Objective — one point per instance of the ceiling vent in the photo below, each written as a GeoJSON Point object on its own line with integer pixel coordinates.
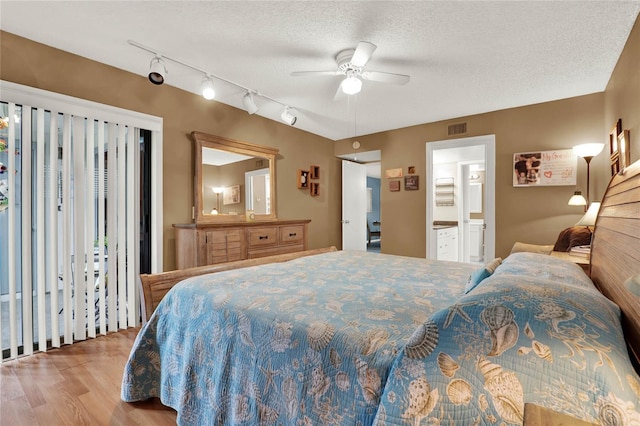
{"type": "Point", "coordinates": [457, 129]}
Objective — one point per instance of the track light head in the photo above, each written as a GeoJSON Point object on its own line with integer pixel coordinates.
{"type": "Point", "coordinates": [206, 87]}
{"type": "Point", "coordinates": [157, 71]}
{"type": "Point", "coordinates": [287, 117]}
{"type": "Point", "coordinates": [249, 103]}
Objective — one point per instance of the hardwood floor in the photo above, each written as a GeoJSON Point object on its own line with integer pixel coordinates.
{"type": "Point", "coordinates": [76, 385]}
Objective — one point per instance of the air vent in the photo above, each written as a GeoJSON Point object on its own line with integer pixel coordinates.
{"type": "Point", "coordinates": [457, 129]}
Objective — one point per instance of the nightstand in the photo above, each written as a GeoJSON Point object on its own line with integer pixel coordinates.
{"type": "Point", "coordinates": [535, 415]}
{"type": "Point", "coordinates": [578, 260]}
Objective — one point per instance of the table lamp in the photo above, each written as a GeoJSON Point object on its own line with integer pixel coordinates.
{"type": "Point", "coordinates": [589, 218]}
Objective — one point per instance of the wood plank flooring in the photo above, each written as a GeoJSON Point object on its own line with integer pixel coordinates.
{"type": "Point", "coordinates": [77, 384]}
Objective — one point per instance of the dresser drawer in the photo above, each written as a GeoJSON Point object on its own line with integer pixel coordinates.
{"type": "Point", "coordinates": [291, 234]}
{"type": "Point", "coordinates": [260, 237]}
{"type": "Point", "coordinates": [272, 251]}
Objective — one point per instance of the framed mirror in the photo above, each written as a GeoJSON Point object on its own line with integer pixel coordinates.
{"type": "Point", "coordinates": [233, 179]}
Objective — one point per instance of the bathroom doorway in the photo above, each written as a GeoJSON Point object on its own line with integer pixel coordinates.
{"type": "Point", "coordinates": [461, 199]}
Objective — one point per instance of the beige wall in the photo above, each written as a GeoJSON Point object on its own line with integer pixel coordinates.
{"type": "Point", "coordinates": [36, 65]}
{"type": "Point", "coordinates": [622, 96]}
{"type": "Point", "coordinates": [534, 215]}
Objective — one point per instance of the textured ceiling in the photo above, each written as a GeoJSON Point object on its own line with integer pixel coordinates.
{"type": "Point", "coordinates": [463, 57]}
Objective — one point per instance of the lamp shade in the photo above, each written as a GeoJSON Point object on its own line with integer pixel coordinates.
{"type": "Point", "coordinates": [577, 199]}
{"type": "Point", "coordinates": [352, 84]}
{"type": "Point", "coordinates": [588, 149]}
{"type": "Point", "coordinates": [589, 218]}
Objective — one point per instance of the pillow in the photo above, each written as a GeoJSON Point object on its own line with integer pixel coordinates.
{"type": "Point", "coordinates": [480, 274]}
{"type": "Point", "coordinates": [531, 248]}
{"type": "Point", "coordinates": [571, 237]}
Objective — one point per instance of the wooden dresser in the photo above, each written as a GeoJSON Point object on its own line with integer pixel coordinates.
{"type": "Point", "coordinates": [210, 243]}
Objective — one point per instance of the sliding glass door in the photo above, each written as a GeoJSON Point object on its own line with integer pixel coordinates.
{"type": "Point", "coordinates": [72, 225]}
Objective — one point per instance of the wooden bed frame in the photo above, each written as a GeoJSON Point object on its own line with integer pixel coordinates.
{"type": "Point", "coordinates": [155, 286]}
{"type": "Point", "coordinates": [615, 251]}
{"type": "Point", "coordinates": [615, 257]}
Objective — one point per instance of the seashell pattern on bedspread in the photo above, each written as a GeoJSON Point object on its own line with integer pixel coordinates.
{"type": "Point", "coordinates": [536, 331]}
{"type": "Point", "coordinates": [305, 342]}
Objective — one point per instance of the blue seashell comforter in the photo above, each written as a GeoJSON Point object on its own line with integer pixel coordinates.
{"type": "Point", "coordinates": [350, 338]}
{"type": "Point", "coordinates": [536, 331]}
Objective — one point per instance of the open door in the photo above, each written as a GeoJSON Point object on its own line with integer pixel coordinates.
{"type": "Point", "coordinates": [354, 206]}
{"type": "Point", "coordinates": [453, 160]}
{"type": "Point", "coordinates": [464, 216]}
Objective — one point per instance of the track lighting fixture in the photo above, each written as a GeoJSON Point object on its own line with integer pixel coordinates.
{"type": "Point", "coordinates": [157, 71]}
{"type": "Point", "coordinates": [287, 117]}
{"type": "Point", "coordinates": [352, 84]}
{"type": "Point", "coordinates": [207, 88]}
{"type": "Point", "coordinates": [249, 103]}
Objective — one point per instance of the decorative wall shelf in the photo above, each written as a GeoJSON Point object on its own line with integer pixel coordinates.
{"type": "Point", "coordinates": [445, 191]}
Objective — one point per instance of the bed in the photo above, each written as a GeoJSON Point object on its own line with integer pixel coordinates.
{"type": "Point", "coordinates": [339, 337]}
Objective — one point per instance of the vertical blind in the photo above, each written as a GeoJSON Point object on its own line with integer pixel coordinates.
{"type": "Point", "coordinates": [71, 225]}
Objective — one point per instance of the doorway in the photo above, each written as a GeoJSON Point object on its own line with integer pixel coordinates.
{"type": "Point", "coordinates": [461, 199]}
{"type": "Point", "coordinates": [366, 170]}
{"type": "Point", "coordinates": [374, 222]}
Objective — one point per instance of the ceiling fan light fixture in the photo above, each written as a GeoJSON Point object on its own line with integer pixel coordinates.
{"type": "Point", "coordinates": [352, 84]}
{"type": "Point", "coordinates": [157, 71]}
{"type": "Point", "coordinates": [206, 87]}
{"type": "Point", "coordinates": [249, 103]}
{"type": "Point", "coordinates": [287, 117]}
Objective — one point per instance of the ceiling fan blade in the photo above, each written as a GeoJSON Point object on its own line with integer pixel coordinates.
{"type": "Point", "coordinates": [363, 53]}
{"type": "Point", "coordinates": [386, 77]}
{"type": "Point", "coordinates": [339, 93]}
{"type": "Point", "coordinates": [315, 73]}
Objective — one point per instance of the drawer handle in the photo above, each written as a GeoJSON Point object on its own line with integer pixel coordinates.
{"type": "Point", "coordinates": [266, 237]}
{"type": "Point", "coordinates": [293, 235]}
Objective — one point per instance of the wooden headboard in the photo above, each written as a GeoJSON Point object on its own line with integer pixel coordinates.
{"type": "Point", "coordinates": [615, 251]}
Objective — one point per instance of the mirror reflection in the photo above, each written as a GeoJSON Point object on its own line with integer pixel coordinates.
{"type": "Point", "coordinates": [234, 183]}
{"type": "Point", "coordinates": [234, 180]}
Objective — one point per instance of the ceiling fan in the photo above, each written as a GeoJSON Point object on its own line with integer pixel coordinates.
{"type": "Point", "coordinates": [351, 63]}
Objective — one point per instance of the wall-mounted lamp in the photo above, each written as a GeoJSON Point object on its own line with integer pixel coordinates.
{"type": "Point", "coordinates": [157, 71]}
{"type": "Point", "coordinates": [588, 151]}
{"type": "Point", "coordinates": [287, 117]}
{"type": "Point", "coordinates": [578, 200]}
{"type": "Point", "coordinates": [249, 103]}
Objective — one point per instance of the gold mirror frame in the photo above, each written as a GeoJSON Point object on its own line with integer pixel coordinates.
{"type": "Point", "coordinates": [204, 140]}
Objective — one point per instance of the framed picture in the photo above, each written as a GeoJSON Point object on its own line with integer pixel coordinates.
{"type": "Point", "coordinates": [623, 144]}
{"type": "Point", "coordinates": [303, 179]}
{"type": "Point", "coordinates": [544, 168]}
{"type": "Point", "coordinates": [394, 185]}
{"type": "Point", "coordinates": [393, 173]}
{"type": "Point", "coordinates": [231, 195]}
{"type": "Point", "coordinates": [314, 172]}
{"type": "Point", "coordinates": [411, 170]}
{"type": "Point", "coordinates": [410, 183]}
{"type": "Point", "coordinates": [614, 148]}
{"type": "Point", "coordinates": [314, 189]}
